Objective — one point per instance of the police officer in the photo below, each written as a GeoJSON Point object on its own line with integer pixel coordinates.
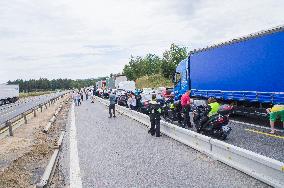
{"type": "Point", "coordinates": [155, 116]}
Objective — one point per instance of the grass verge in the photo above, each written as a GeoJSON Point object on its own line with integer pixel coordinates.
{"type": "Point", "coordinates": [153, 81]}
{"type": "Point", "coordinates": [33, 94]}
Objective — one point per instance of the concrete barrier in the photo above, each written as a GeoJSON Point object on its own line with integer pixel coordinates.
{"type": "Point", "coordinates": [190, 138]}
{"type": "Point", "coordinates": [258, 166]}
{"type": "Point", "coordinates": [49, 170]}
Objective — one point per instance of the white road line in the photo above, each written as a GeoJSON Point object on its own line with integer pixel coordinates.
{"type": "Point", "coordinates": [75, 175]}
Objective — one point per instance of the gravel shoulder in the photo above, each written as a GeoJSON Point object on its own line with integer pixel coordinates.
{"type": "Point", "coordinates": [119, 153]}
{"type": "Point", "coordinates": [24, 156]}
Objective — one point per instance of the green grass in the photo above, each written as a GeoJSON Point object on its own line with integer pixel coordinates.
{"type": "Point", "coordinates": [153, 81]}
{"type": "Point", "coordinates": [35, 93]}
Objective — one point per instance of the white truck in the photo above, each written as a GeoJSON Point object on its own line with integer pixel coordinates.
{"type": "Point", "coordinates": [127, 86]}
{"type": "Point", "coordinates": [8, 93]}
{"type": "Point", "coordinates": [119, 79]}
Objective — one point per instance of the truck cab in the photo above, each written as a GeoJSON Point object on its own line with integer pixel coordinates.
{"type": "Point", "coordinates": [181, 79]}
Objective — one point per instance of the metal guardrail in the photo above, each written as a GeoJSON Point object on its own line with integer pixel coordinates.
{"type": "Point", "coordinates": [265, 169]}
{"type": "Point", "coordinates": [23, 114]}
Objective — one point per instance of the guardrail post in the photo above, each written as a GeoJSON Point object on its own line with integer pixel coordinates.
{"type": "Point", "coordinates": [25, 118]}
{"type": "Point", "coordinates": [9, 124]}
{"type": "Point", "coordinates": [34, 113]}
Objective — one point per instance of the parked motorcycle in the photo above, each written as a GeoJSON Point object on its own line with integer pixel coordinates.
{"type": "Point", "coordinates": [172, 111]}
{"type": "Point", "coordinates": [216, 125]}
{"type": "Point", "coordinates": [122, 100]}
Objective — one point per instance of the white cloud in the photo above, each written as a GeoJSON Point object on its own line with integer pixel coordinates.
{"type": "Point", "coordinates": [91, 38]}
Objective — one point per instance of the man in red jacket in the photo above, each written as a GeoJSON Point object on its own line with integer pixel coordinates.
{"type": "Point", "coordinates": [185, 104]}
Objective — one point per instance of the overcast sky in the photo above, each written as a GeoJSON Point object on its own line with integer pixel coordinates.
{"type": "Point", "coordinates": [91, 38]}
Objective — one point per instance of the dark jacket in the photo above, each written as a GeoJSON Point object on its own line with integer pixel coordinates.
{"type": "Point", "coordinates": [155, 110]}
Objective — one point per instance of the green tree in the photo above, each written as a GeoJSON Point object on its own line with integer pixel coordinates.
{"type": "Point", "coordinates": [171, 59]}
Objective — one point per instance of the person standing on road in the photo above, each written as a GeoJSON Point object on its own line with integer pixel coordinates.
{"type": "Point", "coordinates": [129, 101]}
{"type": "Point", "coordinates": [155, 117]}
{"type": "Point", "coordinates": [133, 102]}
{"type": "Point", "coordinates": [78, 99]}
{"type": "Point", "coordinates": [82, 96]}
{"type": "Point", "coordinates": [277, 111]}
{"type": "Point", "coordinates": [185, 104]}
{"type": "Point", "coordinates": [87, 94]}
{"type": "Point", "coordinates": [111, 105]}
{"type": "Point", "coordinates": [73, 96]}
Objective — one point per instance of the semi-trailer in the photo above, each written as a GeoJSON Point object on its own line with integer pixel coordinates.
{"type": "Point", "coordinates": [8, 93]}
{"type": "Point", "coordinates": [247, 72]}
{"type": "Point", "coordinates": [110, 83]}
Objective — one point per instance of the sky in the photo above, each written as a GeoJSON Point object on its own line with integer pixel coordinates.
{"type": "Point", "coordinates": [92, 38]}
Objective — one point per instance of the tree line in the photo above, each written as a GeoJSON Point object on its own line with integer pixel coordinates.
{"type": "Point", "coordinates": [43, 84]}
{"type": "Point", "coordinates": [152, 64]}
{"type": "Point", "coordinates": [137, 67]}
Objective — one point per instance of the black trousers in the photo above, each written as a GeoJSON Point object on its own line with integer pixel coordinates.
{"type": "Point", "coordinates": [186, 119]}
{"type": "Point", "coordinates": [155, 127]}
{"type": "Point", "coordinates": [111, 107]}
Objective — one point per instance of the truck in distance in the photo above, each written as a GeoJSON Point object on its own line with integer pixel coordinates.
{"type": "Point", "coordinates": [8, 93]}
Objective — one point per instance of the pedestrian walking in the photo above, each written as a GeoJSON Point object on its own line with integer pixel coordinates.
{"type": "Point", "coordinates": [111, 105]}
{"type": "Point", "coordinates": [155, 117]}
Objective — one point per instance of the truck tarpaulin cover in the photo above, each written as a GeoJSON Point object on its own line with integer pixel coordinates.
{"type": "Point", "coordinates": [251, 69]}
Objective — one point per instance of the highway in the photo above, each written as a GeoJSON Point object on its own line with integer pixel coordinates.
{"type": "Point", "coordinates": [118, 152]}
{"type": "Point", "coordinates": [10, 111]}
{"type": "Point", "coordinates": [255, 139]}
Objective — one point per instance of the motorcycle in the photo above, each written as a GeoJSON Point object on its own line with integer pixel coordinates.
{"type": "Point", "coordinates": [216, 125]}
{"type": "Point", "coordinates": [172, 111]}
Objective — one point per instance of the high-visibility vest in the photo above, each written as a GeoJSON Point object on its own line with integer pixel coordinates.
{"type": "Point", "coordinates": [214, 108]}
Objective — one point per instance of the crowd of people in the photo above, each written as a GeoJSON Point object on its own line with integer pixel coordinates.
{"type": "Point", "coordinates": [79, 95]}
{"type": "Point", "coordinates": [133, 100]}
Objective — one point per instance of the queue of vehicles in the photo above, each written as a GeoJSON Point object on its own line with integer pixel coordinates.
{"type": "Point", "coordinates": [246, 73]}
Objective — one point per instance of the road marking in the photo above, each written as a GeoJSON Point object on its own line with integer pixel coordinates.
{"type": "Point", "coordinates": [75, 175]}
{"type": "Point", "coordinates": [253, 125]}
{"type": "Point", "coordinates": [266, 134]}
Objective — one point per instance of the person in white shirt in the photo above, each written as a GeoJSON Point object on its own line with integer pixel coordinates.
{"type": "Point", "coordinates": [129, 101]}
{"type": "Point", "coordinates": [133, 103]}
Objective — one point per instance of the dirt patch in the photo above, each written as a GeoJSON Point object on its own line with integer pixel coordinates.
{"type": "Point", "coordinates": [26, 155]}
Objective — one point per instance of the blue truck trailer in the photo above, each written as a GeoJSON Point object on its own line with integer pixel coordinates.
{"type": "Point", "coordinates": [247, 72]}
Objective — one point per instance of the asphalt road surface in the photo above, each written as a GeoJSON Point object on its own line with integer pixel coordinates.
{"type": "Point", "coordinates": [118, 152]}
{"type": "Point", "coordinates": [10, 111]}
{"type": "Point", "coordinates": [256, 139]}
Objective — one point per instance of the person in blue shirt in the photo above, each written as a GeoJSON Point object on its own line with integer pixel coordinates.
{"type": "Point", "coordinates": [112, 104]}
